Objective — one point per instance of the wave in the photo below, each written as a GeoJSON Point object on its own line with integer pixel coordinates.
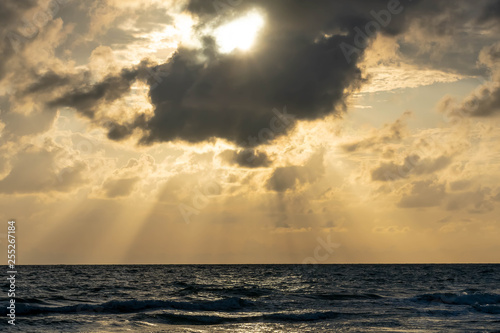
{"type": "Point", "coordinates": [23, 300]}
{"type": "Point", "coordinates": [340, 296]}
{"type": "Point", "coordinates": [253, 292]}
{"type": "Point", "coordinates": [212, 319]}
{"type": "Point", "coordinates": [460, 299]}
{"type": "Point", "coordinates": [491, 309]}
{"type": "Point", "coordinates": [115, 306]}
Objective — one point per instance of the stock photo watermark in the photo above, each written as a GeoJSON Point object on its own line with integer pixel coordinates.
{"type": "Point", "coordinates": [200, 199]}
{"type": "Point", "coordinates": [279, 123]}
{"type": "Point", "coordinates": [11, 271]}
{"type": "Point", "coordinates": [322, 252]}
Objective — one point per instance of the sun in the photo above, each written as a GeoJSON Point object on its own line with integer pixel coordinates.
{"type": "Point", "coordinates": [239, 34]}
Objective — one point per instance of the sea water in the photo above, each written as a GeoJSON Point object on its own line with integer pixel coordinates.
{"type": "Point", "coordinates": [256, 298]}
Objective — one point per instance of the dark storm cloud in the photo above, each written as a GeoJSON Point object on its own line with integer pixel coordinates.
{"type": "Point", "coordinates": [231, 96]}
{"type": "Point", "coordinates": [247, 158]}
{"type": "Point", "coordinates": [296, 62]}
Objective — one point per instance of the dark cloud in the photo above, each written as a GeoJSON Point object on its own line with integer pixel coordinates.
{"type": "Point", "coordinates": [231, 96]}
{"type": "Point", "coordinates": [86, 99]}
{"type": "Point", "coordinates": [46, 82]}
{"type": "Point", "coordinates": [297, 62]}
{"type": "Point", "coordinates": [246, 158]}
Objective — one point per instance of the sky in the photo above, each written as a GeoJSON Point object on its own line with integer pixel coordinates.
{"type": "Point", "coordinates": [250, 131]}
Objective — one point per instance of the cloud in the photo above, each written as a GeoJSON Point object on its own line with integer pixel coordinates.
{"type": "Point", "coordinates": [432, 194]}
{"type": "Point", "coordinates": [289, 177]}
{"type": "Point", "coordinates": [423, 194]}
{"type": "Point", "coordinates": [480, 200]}
{"type": "Point", "coordinates": [491, 12]}
{"type": "Point", "coordinates": [497, 197]}
{"type": "Point", "coordinates": [460, 185]}
{"type": "Point", "coordinates": [206, 95]}
{"type": "Point", "coordinates": [123, 181]}
{"type": "Point", "coordinates": [247, 158]}
{"type": "Point", "coordinates": [390, 133]}
{"type": "Point", "coordinates": [390, 230]}
{"type": "Point", "coordinates": [412, 165]}
{"type": "Point", "coordinates": [86, 98]}
{"type": "Point", "coordinates": [11, 12]}
{"type": "Point", "coordinates": [484, 101]}
{"type": "Point", "coordinates": [297, 61]}
{"type": "Point", "coordinates": [114, 188]}
{"type": "Point", "coordinates": [448, 38]}
{"type": "Point", "coordinates": [19, 124]}
{"type": "Point", "coordinates": [189, 188]}
{"type": "Point", "coordinates": [39, 170]}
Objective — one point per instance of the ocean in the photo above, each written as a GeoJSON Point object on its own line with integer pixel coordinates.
{"type": "Point", "coordinates": [256, 298]}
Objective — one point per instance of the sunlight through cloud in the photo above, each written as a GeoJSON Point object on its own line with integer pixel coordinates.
{"type": "Point", "coordinates": [239, 34]}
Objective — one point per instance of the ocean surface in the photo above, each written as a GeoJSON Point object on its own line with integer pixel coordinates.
{"type": "Point", "coordinates": [256, 298]}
